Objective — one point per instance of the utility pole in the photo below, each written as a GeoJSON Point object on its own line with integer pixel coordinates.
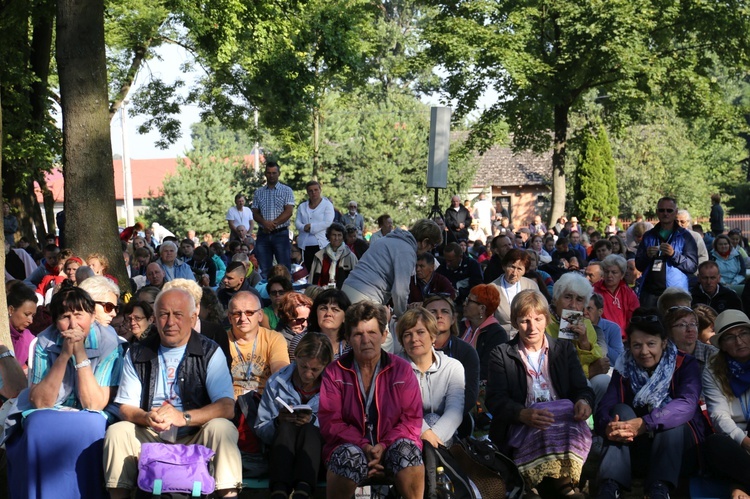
{"type": "Point", "coordinates": [127, 177]}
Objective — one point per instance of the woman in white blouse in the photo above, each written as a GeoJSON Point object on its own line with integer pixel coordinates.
{"type": "Point", "coordinates": [313, 218]}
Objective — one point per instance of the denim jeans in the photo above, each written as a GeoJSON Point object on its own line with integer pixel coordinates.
{"type": "Point", "coordinates": [268, 246]}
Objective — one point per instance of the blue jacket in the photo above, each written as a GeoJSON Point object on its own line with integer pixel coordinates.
{"type": "Point", "coordinates": [679, 266]}
{"type": "Point", "coordinates": [732, 268]}
{"type": "Point", "coordinates": [181, 271]}
{"type": "Point", "coordinates": [279, 385]}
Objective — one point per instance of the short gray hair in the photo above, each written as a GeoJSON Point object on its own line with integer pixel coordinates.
{"type": "Point", "coordinates": [166, 244]}
{"type": "Point", "coordinates": [685, 213]}
{"type": "Point", "coordinates": [615, 261]}
{"type": "Point", "coordinates": [191, 301]}
{"type": "Point", "coordinates": [572, 282]}
{"type": "Point", "coordinates": [98, 286]}
{"type": "Point", "coordinates": [188, 285]}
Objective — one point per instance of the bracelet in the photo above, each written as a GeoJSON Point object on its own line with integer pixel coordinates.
{"type": "Point", "coordinates": [9, 353]}
{"type": "Point", "coordinates": [83, 364]}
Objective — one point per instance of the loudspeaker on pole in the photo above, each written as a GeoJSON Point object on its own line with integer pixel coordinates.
{"type": "Point", "coordinates": [437, 159]}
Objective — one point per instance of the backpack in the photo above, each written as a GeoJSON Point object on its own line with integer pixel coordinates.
{"type": "Point", "coordinates": [174, 471]}
{"type": "Point", "coordinates": [495, 474]}
{"type": "Point", "coordinates": [433, 458]}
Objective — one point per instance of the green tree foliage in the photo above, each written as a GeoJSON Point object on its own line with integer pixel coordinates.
{"type": "Point", "coordinates": [669, 157]}
{"type": "Point", "coordinates": [596, 197]}
{"type": "Point", "coordinates": [542, 56]}
{"type": "Point", "coordinates": [197, 196]}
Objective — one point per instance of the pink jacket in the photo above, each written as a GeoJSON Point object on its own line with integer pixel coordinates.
{"type": "Point", "coordinates": [342, 408]}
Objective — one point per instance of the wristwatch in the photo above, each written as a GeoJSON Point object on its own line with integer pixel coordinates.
{"type": "Point", "coordinates": [9, 353]}
{"type": "Point", "coordinates": [187, 417]}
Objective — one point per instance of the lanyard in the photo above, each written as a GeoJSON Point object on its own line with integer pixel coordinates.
{"type": "Point", "coordinates": [535, 372]}
{"type": "Point", "coordinates": [369, 396]}
{"type": "Point", "coordinates": [249, 361]}
{"type": "Point", "coordinates": [169, 387]}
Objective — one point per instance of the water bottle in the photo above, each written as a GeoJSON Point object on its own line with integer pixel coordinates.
{"type": "Point", "coordinates": [443, 484]}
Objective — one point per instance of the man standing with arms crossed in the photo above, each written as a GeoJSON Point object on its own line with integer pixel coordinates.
{"type": "Point", "coordinates": [272, 208]}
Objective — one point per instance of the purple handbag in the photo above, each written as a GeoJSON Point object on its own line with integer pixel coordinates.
{"type": "Point", "coordinates": [164, 468]}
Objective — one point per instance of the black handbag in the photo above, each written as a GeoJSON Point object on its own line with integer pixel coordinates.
{"type": "Point", "coordinates": [494, 473]}
{"type": "Point", "coordinates": [442, 457]}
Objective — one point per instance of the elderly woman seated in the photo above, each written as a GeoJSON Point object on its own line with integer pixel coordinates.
{"type": "Point", "coordinates": [539, 399]}
{"type": "Point", "coordinates": [726, 386]}
{"type": "Point", "coordinates": [571, 294]}
{"type": "Point", "coordinates": [650, 416]}
{"type": "Point", "coordinates": [370, 411]}
{"type": "Point", "coordinates": [76, 368]}
{"type": "Point", "coordinates": [441, 378]}
{"type": "Point", "coordinates": [515, 264]}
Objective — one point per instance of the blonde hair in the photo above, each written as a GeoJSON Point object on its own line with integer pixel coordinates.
{"type": "Point", "coordinates": [527, 302]}
{"type": "Point", "coordinates": [410, 319]}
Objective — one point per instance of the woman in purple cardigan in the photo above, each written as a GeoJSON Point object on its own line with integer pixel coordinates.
{"type": "Point", "coordinates": [650, 415]}
{"type": "Point", "coordinates": [370, 411]}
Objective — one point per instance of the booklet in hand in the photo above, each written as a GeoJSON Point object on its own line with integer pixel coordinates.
{"type": "Point", "coordinates": [568, 319]}
{"type": "Point", "coordinates": [295, 408]}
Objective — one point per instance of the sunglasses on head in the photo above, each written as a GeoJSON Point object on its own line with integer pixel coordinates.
{"type": "Point", "coordinates": [108, 306]}
{"type": "Point", "coordinates": [644, 319]}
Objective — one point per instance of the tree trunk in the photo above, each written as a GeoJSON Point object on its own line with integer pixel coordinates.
{"type": "Point", "coordinates": [90, 217]}
{"type": "Point", "coordinates": [558, 163]}
{"type": "Point", "coordinates": [4, 322]}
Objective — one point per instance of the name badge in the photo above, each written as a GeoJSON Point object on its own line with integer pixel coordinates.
{"type": "Point", "coordinates": [657, 266]}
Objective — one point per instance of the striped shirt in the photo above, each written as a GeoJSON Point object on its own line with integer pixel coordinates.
{"type": "Point", "coordinates": [272, 201]}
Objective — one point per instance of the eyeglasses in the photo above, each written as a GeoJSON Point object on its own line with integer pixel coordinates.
{"type": "Point", "coordinates": [249, 313]}
{"type": "Point", "coordinates": [686, 325]}
{"type": "Point", "coordinates": [665, 210]}
{"type": "Point", "coordinates": [469, 300]}
{"type": "Point", "coordinates": [734, 338]}
{"type": "Point", "coordinates": [136, 318]}
{"type": "Point", "coordinates": [644, 319]}
{"type": "Point", "coordinates": [298, 321]}
{"type": "Point", "coordinates": [278, 292]}
{"type": "Point", "coordinates": [108, 307]}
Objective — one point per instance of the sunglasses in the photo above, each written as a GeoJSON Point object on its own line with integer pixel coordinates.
{"type": "Point", "coordinates": [644, 319]}
{"type": "Point", "coordinates": [298, 321]}
{"type": "Point", "coordinates": [108, 306]}
{"type": "Point", "coordinates": [665, 210]}
{"type": "Point", "coordinates": [278, 292]}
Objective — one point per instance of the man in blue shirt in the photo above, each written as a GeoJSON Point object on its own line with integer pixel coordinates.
{"type": "Point", "coordinates": [175, 388]}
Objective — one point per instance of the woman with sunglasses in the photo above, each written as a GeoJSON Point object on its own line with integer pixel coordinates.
{"type": "Point", "coordinates": [105, 294]}
{"type": "Point", "coordinates": [650, 416]}
{"type": "Point", "coordinates": [683, 327]}
{"type": "Point", "coordinates": [294, 310]}
{"type": "Point", "coordinates": [277, 287]}
{"type": "Point", "coordinates": [77, 365]}
{"type": "Point", "coordinates": [726, 385]}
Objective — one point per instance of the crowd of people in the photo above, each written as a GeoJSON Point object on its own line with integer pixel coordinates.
{"type": "Point", "coordinates": [325, 356]}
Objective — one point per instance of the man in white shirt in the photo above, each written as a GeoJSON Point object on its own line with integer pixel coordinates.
{"type": "Point", "coordinates": [238, 215]}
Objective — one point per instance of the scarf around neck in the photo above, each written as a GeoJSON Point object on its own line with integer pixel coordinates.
{"type": "Point", "coordinates": [335, 256]}
{"type": "Point", "coordinates": [739, 376]}
{"type": "Point", "coordinates": [653, 391]}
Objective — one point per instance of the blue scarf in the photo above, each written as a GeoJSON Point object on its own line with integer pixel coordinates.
{"type": "Point", "coordinates": [739, 376]}
{"type": "Point", "coordinates": [651, 392]}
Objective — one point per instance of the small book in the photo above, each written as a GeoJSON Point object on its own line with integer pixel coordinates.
{"type": "Point", "coordinates": [295, 408]}
{"type": "Point", "coordinates": [568, 319]}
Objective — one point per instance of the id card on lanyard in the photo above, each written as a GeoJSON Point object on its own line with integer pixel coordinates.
{"type": "Point", "coordinates": [540, 386]}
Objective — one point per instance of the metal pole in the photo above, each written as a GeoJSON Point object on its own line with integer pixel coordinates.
{"type": "Point", "coordinates": [127, 177]}
{"type": "Point", "coordinates": [256, 163]}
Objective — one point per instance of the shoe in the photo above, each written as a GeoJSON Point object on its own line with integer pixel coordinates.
{"type": "Point", "coordinates": [658, 490]}
{"type": "Point", "coordinates": [609, 489]}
